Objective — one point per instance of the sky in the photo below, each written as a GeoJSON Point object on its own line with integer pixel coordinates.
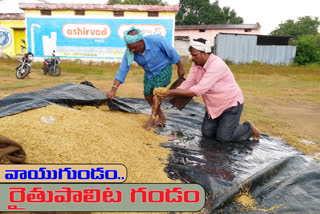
{"type": "Point", "coordinates": [269, 13]}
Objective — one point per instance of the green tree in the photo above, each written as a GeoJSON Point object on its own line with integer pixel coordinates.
{"type": "Point", "coordinates": [231, 16]}
{"type": "Point", "coordinates": [114, 2]}
{"type": "Point", "coordinates": [308, 49]}
{"type": "Point", "coordinates": [304, 26]}
{"type": "Point", "coordinates": [138, 2]}
{"type": "Point", "coordinates": [195, 12]}
{"type": "Point", "coordinates": [190, 11]}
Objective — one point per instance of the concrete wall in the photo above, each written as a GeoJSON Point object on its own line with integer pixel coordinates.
{"type": "Point", "coordinates": [182, 45]}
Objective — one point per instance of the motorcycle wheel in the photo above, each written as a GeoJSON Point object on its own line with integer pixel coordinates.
{"type": "Point", "coordinates": [19, 73]}
{"type": "Point", "coordinates": [45, 70]}
{"type": "Point", "coordinates": [56, 72]}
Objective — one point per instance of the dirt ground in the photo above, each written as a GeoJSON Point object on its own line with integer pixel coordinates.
{"type": "Point", "coordinates": [303, 117]}
{"type": "Point", "coordinates": [296, 116]}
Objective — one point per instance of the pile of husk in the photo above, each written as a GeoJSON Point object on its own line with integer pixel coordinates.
{"type": "Point", "coordinates": [90, 135]}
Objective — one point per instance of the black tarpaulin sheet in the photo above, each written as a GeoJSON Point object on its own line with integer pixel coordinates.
{"type": "Point", "coordinates": [275, 177]}
{"type": "Point", "coordinates": [278, 178]}
{"type": "Point", "coordinates": [69, 94]}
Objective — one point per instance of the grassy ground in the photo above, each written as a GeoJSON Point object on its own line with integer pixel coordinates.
{"type": "Point", "coordinates": [283, 101]}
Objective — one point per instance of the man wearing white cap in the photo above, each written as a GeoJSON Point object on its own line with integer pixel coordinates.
{"type": "Point", "coordinates": [210, 78]}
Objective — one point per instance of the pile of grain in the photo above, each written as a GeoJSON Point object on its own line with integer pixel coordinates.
{"type": "Point", "coordinates": [245, 199]}
{"type": "Point", "coordinates": [159, 91]}
{"type": "Point", "coordinates": [90, 135]}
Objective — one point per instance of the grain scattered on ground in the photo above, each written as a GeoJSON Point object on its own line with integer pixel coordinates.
{"type": "Point", "coordinates": [248, 203]}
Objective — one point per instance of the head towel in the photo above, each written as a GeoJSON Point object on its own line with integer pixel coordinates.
{"type": "Point", "coordinates": [201, 47]}
{"type": "Point", "coordinates": [129, 39]}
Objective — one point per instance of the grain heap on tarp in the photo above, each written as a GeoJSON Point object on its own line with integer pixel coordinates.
{"type": "Point", "coordinates": [89, 135]}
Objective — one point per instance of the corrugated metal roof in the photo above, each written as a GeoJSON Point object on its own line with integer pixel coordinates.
{"type": "Point", "coordinates": [52, 6]}
{"type": "Point", "coordinates": [12, 16]}
{"type": "Point", "coordinates": [220, 26]}
{"type": "Point", "coordinates": [254, 35]}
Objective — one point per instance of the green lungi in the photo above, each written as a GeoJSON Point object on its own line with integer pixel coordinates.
{"type": "Point", "coordinates": [162, 80]}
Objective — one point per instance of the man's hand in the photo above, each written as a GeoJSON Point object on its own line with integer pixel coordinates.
{"type": "Point", "coordinates": [180, 70]}
{"type": "Point", "coordinates": [164, 95]}
{"type": "Point", "coordinates": [111, 94]}
{"type": "Point", "coordinates": [160, 92]}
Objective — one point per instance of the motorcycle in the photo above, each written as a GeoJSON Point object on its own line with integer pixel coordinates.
{"type": "Point", "coordinates": [25, 63]}
{"type": "Point", "coordinates": [50, 66]}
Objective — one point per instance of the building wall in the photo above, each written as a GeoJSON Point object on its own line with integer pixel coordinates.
{"type": "Point", "coordinates": [33, 12]}
{"type": "Point", "coordinates": [211, 33]}
{"type": "Point", "coordinates": [15, 29]}
{"type": "Point", "coordinates": [182, 47]}
{"type": "Point", "coordinates": [96, 35]}
{"type": "Point", "coordinates": [19, 34]}
{"type": "Point", "coordinates": [99, 13]}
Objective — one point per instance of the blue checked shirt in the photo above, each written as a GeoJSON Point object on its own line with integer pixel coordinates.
{"type": "Point", "coordinates": [158, 54]}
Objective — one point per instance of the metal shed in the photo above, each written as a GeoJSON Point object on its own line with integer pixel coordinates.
{"type": "Point", "coordinates": [244, 48]}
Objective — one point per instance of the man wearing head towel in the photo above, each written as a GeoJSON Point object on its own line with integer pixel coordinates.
{"type": "Point", "coordinates": [155, 55]}
{"type": "Point", "coordinates": [210, 78]}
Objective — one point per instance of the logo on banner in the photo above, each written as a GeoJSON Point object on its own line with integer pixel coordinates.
{"type": "Point", "coordinates": [147, 29]}
{"type": "Point", "coordinates": [5, 37]}
{"type": "Point", "coordinates": [86, 31]}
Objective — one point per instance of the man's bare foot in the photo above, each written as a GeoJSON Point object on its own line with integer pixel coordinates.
{"type": "Point", "coordinates": [150, 124]}
{"type": "Point", "coordinates": [160, 122]}
{"type": "Point", "coordinates": [161, 119]}
{"type": "Point", "coordinates": [255, 131]}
